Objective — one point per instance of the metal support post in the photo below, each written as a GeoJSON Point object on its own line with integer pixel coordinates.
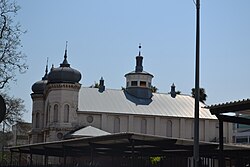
{"type": "Point", "coordinates": [197, 88]}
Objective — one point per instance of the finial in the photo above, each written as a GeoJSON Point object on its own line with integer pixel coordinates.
{"type": "Point", "coordinates": [139, 49]}
{"type": "Point", "coordinates": [139, 67]}
{"type": "Point", "coordinates": [46, 70]}
{"type": "Point", "coordinates": [52, 67]}
{"type": "Point", "coordinates": [45, 77]}
{"type": "Point", "coordinates": [65, 62]}
{"type": "Point", "coordinates": [66, 48]}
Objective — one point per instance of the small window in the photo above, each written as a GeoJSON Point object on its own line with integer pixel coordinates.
{"type": "Point", "coordinates": [242, 139]}
{"type": "Point", "coordinates": [127, 84]}
{"type": "Point", "coordinates": [133, 83]}
{"type": "Point", "coordinates": [149, 84]}
{"type": "Point", "coordinates": [143, 84]}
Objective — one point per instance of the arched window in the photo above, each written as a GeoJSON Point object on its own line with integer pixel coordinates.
{"type": "Point", "coordinates": [55, 113]}
{"type": "Point", "coordinates": [66, 113]}
{"type": "Point", "coordinates": [144, 126]}
{"type": "Point", "coordinates": [37, 120]}
{"type": "Point", "coordinates": [47, 114]}
{"type": "Point", "coordinates": [117, 125]}
{"type": "Point", "coordinates": [169, 128]}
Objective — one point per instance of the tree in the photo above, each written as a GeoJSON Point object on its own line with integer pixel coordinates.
{"type": "Point", "coordinates": [11, 57]}
{"type": "Point", "coordinates": [95, 85]}
{"type": "Point", "coordinates": [203, 95]}
{"type": "Point", "coordinates": [15, 109]}
{"type": "Point", "coordinates": [154, 89]}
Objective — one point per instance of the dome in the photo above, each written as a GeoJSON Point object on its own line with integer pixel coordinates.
{"type": "Point", "coordinates": [39, 86]}
{"type": "Point", "coordinates": [64, 73]}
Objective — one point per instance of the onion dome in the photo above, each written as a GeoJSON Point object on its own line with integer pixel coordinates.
{"type": "Point", "coordinates": [39, 86]}
{"type": "Point", "coordinates": [64, 73]}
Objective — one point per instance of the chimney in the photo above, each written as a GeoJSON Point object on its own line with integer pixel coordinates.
{"type": "Point", "coordinates": [101, 85]}
{"type": "Point", "coordinates": [173, 92]}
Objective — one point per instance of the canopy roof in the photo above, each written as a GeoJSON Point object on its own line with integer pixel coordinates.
{"type": "Point", "coordinates": [123, 144]}
{"type": "Point", "coordinates": [239, 111]}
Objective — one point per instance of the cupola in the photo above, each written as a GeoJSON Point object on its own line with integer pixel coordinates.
{"type": "Point", "coordinates": [173, 92]}
{"type": "Point", "coordinates": [139, 81]}
{"type": "Point", "coordinates": [101, 85]}
{"type": "Point", "coordinates": [39, 86]}
{"type": "Point", "coordinates": [64, 73]}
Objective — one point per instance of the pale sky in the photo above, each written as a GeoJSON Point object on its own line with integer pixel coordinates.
{"type": "Point", "coordinates": [103, 38]}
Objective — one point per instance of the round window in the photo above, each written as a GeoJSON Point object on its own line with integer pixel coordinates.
{"type": "Point", "coordinates": [90, 119]}
{"type": "Point", "coordinates": [59, 135]}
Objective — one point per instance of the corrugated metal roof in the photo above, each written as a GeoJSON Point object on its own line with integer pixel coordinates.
{"type": "Point", "coordinates": [120, 102]}
{"type": "Point", "coordinates": [228, 104]}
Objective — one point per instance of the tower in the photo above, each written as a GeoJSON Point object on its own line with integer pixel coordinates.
{"type": "Point", "coordinates": [61, 102]}
{"type": "Point", "coordinates": [138, 82]}
{"type": "Point", "coordinates": [38, 109]}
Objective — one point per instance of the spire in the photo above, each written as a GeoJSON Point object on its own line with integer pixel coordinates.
{"type": "Point", "coordinates": [139, 49]}
{"type": "Point", "coordinates": [45, 77]}
{"type": "Point", "coordinates": [46, 70]}
{"type": "Point", "coordinates": [65, 61]}
{"type": "Point", "coordinates": [139, 58]}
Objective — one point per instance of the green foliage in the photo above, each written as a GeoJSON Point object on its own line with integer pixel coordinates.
{"type": "Point", "coordinates": [178, 92]}
{"type": "Point", "coordinates": [95, 85]}
{"type": "Point", "coordinates": [155, 160]}
{"type": "Point", "coordinates": [154, 89]}
{"type": "Point", "coordinates": [203, 95]}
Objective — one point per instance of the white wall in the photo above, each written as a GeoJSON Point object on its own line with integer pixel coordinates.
{"type": "Point", "coordinates": [156, 125]}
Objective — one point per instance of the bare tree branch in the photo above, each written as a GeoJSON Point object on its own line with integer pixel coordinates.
{"type": "Point", "coordinates": [12, 60]}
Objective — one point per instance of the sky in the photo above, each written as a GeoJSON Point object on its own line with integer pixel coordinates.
{"type": "Point", "coordinates": [103, 38]}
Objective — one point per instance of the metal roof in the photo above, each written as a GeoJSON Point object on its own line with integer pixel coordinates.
{"type": "Point", "coordinates": [89, 131]}
{"type": "Point", "coordinates": [233, 106]}
{"type": "Point", "coordinates": [241, 107]}
{"type": "Point", "coordinates": [141, 73]}
{"type": "Point", "coordinates": [120, 102]}
{"type": "Point", "coordinates": [121, 143]}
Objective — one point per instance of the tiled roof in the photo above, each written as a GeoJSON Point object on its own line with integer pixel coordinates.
{"type": "Point", "coordinates": [120, 102]}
